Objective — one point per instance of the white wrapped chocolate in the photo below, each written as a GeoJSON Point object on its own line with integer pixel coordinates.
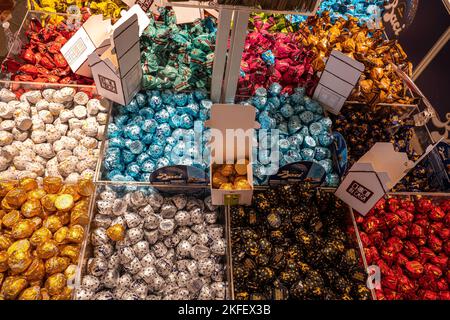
{"type": "Point", "coordinates": [6, 95]}
{"type": "Point", "coordinates": [6, 138]}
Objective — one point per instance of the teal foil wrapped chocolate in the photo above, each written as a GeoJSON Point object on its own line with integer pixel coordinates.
{"type": "Point", "coordinates": [157, 129]}
{"type": "Point", "coordinates": [178, 57]}
{"type": "Point", "coordinates": [293, 128]}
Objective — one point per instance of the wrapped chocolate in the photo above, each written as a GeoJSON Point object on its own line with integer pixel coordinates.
{"type": "Point", "coordinates": [40, 59]}
{"type": "Point", "coordinates": [412, 263]}
{"type": "Point", "coordinates": [304, 251]}
{"type": "Point", "coordinates": [163, 256]}
{"type": "Point", "coordinates": [157, 129]}
{"type": "Point", "coordinates": [107, 8]}
{"type": "Point", "coordinates": [35, 260]}
{"type": "Point", "coordinates": [178, 57]}
{"type": "Point", "coordinates": [362, 126]}
{"type": "Point", "coordinates": [293, 128]}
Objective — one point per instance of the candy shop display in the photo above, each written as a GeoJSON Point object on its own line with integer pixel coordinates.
{"type": "Point", "coordinates": [51, 132]}
{"type": "Point", "coordinates": [379, 83]}
{"type": "Point", "coordinates": [150, 246]}
{"type": "Point", "coordinates": [293, 128]}
{"type": "Point", "coordinates": [362, 126]}
{"type": "Point", "coordinates": [157, 129]}
{"type": "Point", "coordinates": [408, 239]}
{"type": "Point", "coordinates": [177, 56]}
{"type": "Point", "coordinates": [297, 5]}
{"type": "Point", "coordinates": [108, 8]}
{"type": "Point", "coordinates": [294, 243]}
{"type": "Point", "coordinates": [42, 228]}
{"type": "Point", "coordinates": [40, 59]}
{"type": "Point", "coordinates": [231, 176]}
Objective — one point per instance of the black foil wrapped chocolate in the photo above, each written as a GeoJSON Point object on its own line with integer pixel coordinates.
{"type": "Point", "coordinates": [298, 246]}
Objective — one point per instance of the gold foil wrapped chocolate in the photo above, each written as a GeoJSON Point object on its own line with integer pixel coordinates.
{"type": "Point", "coordinates": [55, 284]}
{"type": "Point", "coordinates": [231, 176]}
{"type": "Point", "coordinates": [116, 232]}
{"type": "Point", "coordinates": [12, 287]}
{"type": "Point", "coordinates": [40, 236]}
{"type": "Point", "coordinates": [321, 36]}
{"type": "Point", "coordinates": [31, 293]}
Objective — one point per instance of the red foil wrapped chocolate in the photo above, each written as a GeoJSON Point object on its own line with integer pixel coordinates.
{"type": "Point", "coordinates": [40, 59]}
{"type": "Point", "coordinates": [409, 242]}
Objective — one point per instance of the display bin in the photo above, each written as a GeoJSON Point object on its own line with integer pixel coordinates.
{"type": "Point", "coordinates": [352, 233]}
{"type": "Point", "coordinates": [401, 119]}
{"type": "Point", "coordinates": [14, 58]}
{"type": "Point", "coordinates": [87, 251]}
{"type": "Point", "coordinates": [435, 197]}
{"type": "Point", "coordinates": [21, 87]}
{"type": "Point", "coordinates": [174, 174]}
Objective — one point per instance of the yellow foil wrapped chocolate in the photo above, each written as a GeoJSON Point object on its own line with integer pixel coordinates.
{"type": "Point", "coordinates": [116, 232]}
{"type": "Point", "coordinates": [218, 179]}
{"type": "Point", "coordinates": [53, 223]}
{"type": "Point", "coordinates": [226, 186]}
{"type": "Point", "coordinates": [16, 197]}
{"type": "Point", "coordinates": [70, 272]}
{"type": "Point", "coordinates": [75, 234]}
{"type": "Point", "coordinates": [22, 229]}
{"type": "Point", "coordinates": [61, 235]}
{"type": "Point", "coordinates": [31, 208]}
{"type": "Point", "coordinates": [64, 217]}
{"type": "Point", "coordinates": [241, 168]}
{"type": "Point", "coordinates": [71, 189]}
{"type": "Point", "coordinates": [52, 184]}
{"type": "Point", "coordinates": [85, 187]}
{"type": "Point", "coordinates": [11, 218]}
{"type": "Point", "coordinates": [47, 249]}
{"type": "Point", "coordinates": [48, 202]}
{"type": "Point", "coordinates": [19, 245]}
{"type": "Point", "coordinates": [19, 261]}
{"type": "Point", "coordinates": [36, 194]}
{"type": "Point", "coordinates": [40, 236]}
{"type": "Point", "coordinates": [56, 265]}
{"type": "Point", "coordinates": [64, 202]}
{"type": "Point", "coordinates": [12, 287]}
{"type": "Point", "coordinates": [31, 293]}
{"type": "Point", "coordinates": [6, 186]}
{"type": "Point", "coordinates": [55, 284]}
{"type": "Point", "coordinates": [79, 216]}
{"type": "Point", "coordinates": [36, 271]}
{"type": "Point", "coordinates": [37, 222]}
{"type": "Point", "coordinates": [70, 251]}
{"type": "Point", "coordinates": [28, 184]}
{"type": "Point", "coordinates": [242, 184]}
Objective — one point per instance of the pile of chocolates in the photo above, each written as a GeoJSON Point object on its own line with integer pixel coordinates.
{"type": "Point", "coordinates": [41, 231]}
{"type": "Point", "coordinates": [53, 132]}
{"type": "Point", "coordinates": [178, 57]}
{"type": "Point", "coordinates": [231, 176]}
{"type": "Point", "coordinates": [155, 130]}
{"type": "Point", "coordinates": [408, 239]}
{"type": "Point", "coordinates": [40, 59]}
{"type": "Point", "coordinates": [147, 246]}
{"type": "Point", "coordinates": [295, 243]}
{"type": "Point", "coordinates": [379, 83]}
{"type": "Point", "coordinates": [293, 128]}
{"type": "Point", "coordinates": [362, 126]}
{"type": "Point", "coordinates": [275, 58]}
{"type": "Point", "coordinates": [108, 8]}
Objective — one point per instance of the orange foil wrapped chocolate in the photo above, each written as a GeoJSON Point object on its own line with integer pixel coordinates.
{"type": "Point", "coordinates": [379, 83]}
{"type": "Point", "coordinates": [42, 228]}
